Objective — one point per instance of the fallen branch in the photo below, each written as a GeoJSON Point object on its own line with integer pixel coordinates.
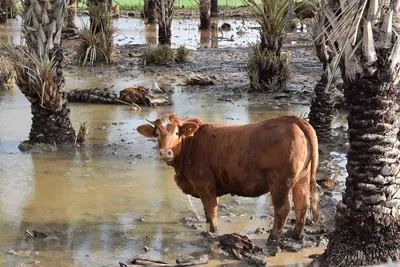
{"type": "Point", "coordinates": [147, 262]}
{"type": "Point", "coordinates": [197, 79]}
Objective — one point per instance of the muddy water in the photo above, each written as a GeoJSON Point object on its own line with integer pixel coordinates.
{"type": "Point", "coordinates": [184, 32]}
{"type": "Point", "coordinates": [105, 201]}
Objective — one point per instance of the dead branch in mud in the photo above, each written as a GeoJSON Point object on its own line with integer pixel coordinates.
{"type": "Point", "coordinates": [202, 260]}
{"type": "Point", "coordinates": [198, 79]}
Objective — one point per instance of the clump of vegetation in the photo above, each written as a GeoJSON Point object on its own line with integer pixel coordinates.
{"type": "Point", "coordinates": [97, 38]}
{"type": "Point", "coordinates": [163, 54]}
{"type": "Point", "coordinates": [267, 67]}
{"type": "Point", "coordinates": [6, 73]}
{"type": "Point", "coordinates": [83, 132]}
{"type": "Point", "coordinates": [263, 63]}
{"type": "Point", "coordinates": [181, 54]}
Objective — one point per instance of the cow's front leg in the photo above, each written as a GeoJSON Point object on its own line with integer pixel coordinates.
{"type": "Point", "coordinates": [210, 204]}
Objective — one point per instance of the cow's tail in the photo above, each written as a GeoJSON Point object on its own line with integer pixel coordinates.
{"type": "Point", "coordinates": [310, 134]}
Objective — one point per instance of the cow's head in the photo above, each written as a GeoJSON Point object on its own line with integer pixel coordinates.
{"type": "Point", "coordinates": [169, 131]}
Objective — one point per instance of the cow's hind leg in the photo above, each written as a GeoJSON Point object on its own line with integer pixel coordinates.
{"type": "Point", "coordinates": [280, 200]}
{"type": "Point", "coordinates": [210, 204]}
{"type": "Point", "coordinates": [301, 199]}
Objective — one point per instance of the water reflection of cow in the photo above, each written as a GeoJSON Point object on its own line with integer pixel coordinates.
{"type": "Point", "coordinates": [212, 160]}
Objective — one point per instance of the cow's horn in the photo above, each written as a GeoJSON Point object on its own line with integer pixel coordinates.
{"type": "Point", "coordinates": [151, 122]}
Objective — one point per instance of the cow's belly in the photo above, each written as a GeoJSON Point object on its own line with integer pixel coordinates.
{"type": "Point", "coordinates": [247, 183]}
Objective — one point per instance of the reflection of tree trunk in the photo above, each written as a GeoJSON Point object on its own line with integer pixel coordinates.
{"type": "Point", "coordinates": [205, 40]}
{"type": "Point", "coordinates": [150, 31]}
{"type": "Point", "coordinates": [205, 7]}
{"type": "Point", "coordinates": [214, 38]}
{"type": "Point", "coordinates": [214, 8]}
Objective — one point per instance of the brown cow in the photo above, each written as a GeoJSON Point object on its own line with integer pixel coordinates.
{"type": "Point", "coordinates": [211, 160]}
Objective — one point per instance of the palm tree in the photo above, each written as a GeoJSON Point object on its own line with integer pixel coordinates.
{"type": "Point", "coordinates": [322, 105]}
{"type": "Point", "coordinates": [164, 10]}
{"type": "Point", "coordinates": [268, 67]}
{"type": "Point", "coordinates": [38, 72]}
{"type": "Point", "coordinates": [368, 218]}
{"type": "Point", "coordinates": [205, 14]}
{"type": "Point", "coordinates": [97, 39]}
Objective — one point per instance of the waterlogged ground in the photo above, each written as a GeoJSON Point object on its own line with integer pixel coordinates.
{"type": "Point", "coordinates": [110, 200]}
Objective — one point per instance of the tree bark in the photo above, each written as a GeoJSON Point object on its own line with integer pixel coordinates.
{"type": "Point", "coordinates": [3, 11]}
{"type": "Point", "coordinates": [321, 111]}
{"type": "Point", "coordinates": [51, 126]}
{"type": "Point", "coordinates": [149, 11]}
{"type": "Point", "coordinates": [214, 9]}
{"type": "Point", "coordinates": [205, 13]}
{"type": "Point", "coordinates": [164, 36]}
{"type": "Point", "coordinates": [368, 219]}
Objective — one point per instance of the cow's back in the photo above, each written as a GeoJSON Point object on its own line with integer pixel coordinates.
{"type": "Point", "coordinates": [245, 159]}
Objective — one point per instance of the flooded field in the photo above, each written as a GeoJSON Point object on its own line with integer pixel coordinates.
{"type": "Point", "coordinates": [111, 200]}
{"type": "Point", "coordinates": [184, 32]}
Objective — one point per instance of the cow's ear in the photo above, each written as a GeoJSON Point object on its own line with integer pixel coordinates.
{"type": "Point", "coordinates": [188, 129]}
{"type": "Point", "coordinates": [147, 130]}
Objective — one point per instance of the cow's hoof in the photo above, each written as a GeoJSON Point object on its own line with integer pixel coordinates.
{"type": "Point", "coordinates": [273, 237]}
{"type": "Point", "coordinates": [298, 237]}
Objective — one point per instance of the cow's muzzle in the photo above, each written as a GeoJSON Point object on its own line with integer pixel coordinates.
{"type": "Point", "coordinates": [166, 155]}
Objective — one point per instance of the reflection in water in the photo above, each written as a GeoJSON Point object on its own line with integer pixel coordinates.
{"type": "Point", "coordinates": [184, 32]}
{"type": "Point", "coordinates": [205, 38]}
{"type": "Point", "coordinates": [150, 31]}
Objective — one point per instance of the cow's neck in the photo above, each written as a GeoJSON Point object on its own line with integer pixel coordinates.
{"type": "Point", "coordinates": [178, 162]}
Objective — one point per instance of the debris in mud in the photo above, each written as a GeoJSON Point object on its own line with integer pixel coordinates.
{"type": "Point", "coordinates": [314, 238]}
{"type": "Point", "coordinates": [23, 253]}
{"type": "Point", "coordinates": [329, 182]}
{"type": "Point", "coordinates": [198, 79]}
{"type": "Point", "coordinates": [132, 95]}
{"type": "Point", "coordinates": [181, 261]}
{"type": "Point", "coordinates": [242, 248]}
{"type": "Point", "coordinates": [35, 234]}
{"type": "Point", "coordinates": [141, 96]}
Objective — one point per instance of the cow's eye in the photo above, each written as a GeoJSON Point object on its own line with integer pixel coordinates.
{"type": "Point", "coordinates": [157, 135]}
{"type": "Point", "coordinates": [177, 133]}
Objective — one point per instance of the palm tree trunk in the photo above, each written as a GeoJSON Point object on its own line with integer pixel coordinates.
{"type": "Point", "coordinates": [205, 13]}
{"type": "Point", "coordinates": [51, 126]}
{"type": "Point", "coordinates": [368, 225]}
{"type": "Point", "coordinates": [3, 11]}
{"type": "Point", "coordinates": [149, 11]}
{"type": "Point", "coordinates": [321, 111]}
{"type": "Point", "coordinates": [164, 10]}
{"type": "Point", "coordinates": [164, 36]}
{"type": "Point", "coordinates": [214, 8]}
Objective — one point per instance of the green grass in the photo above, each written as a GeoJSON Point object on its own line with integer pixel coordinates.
{"type": "Point", "coordinates": [187, 4]}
